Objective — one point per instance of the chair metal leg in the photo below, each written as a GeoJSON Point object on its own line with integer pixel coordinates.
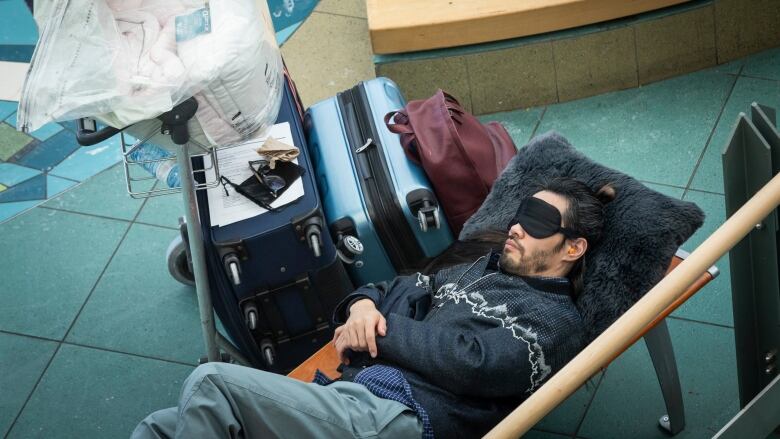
{"type": "Point", "coordinates": [659, 345]}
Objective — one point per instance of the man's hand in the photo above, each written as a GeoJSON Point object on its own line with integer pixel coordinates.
{"type": "Point", "coordinates": [359, 333]}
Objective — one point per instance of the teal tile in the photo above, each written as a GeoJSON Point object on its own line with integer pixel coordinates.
{"type": "Point", "coordinates": [566, 417]}
{"type": "Point", "coordinates": [654, 133]}
{"type": "Point", "coordinates": [713, 302]}
{"type": "Point", "coordinates": [138, 307]}
{"type": "Point", "coordinates": [11, 141]}
{"type": "Point", "coordinates": [536, 434]}
{"type": "Point", "coordinates": [51, 260]}
{"type": "Point", "coordinates": [56, 185]}
{"type": "Point", "coordinates": [764, 65]}
{"type": "Point", "coordinates": [709, 174]}
{"type": "Point", "coordinates": [17, 24]}
{"type": "Point", "coordinates": [11, 174]}
{"type": "Point", "coordinates": [7, 108]}
{"type": "Point", "coordinates": [104, 194]}
{"type": "Point", "coordinates": [22, 360]}
{"type": "Point", "coordinates": [90, 160]}
{"type": "Point", "coordinates": [629, 402]}
{"type": "Point", "coordinates": [519, 123]}
{"type": "Point", "coordinates": [16, 52]}
{"type": "Point", "coordinates": [10, 210]}
{"type": "Point", "coordinates": [163, 211]}
{"type": "Point", "coordinates": [32, 189]}
{"type": "Point", "coordinates": [88, 393]}
{"type": "Point", "coordinates": [674, 192]}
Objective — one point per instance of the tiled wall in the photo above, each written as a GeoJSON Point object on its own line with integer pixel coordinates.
{"type": "Point", "coordinates": [569, 65]}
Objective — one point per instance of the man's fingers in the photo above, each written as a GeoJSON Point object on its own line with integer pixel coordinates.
{"type": "Point", "coordinates": [382, 326]}
{"type": "Point", "coordinates": [337, 333]}
{"type": "Point", "coordinates": [371, 340]}
{"type": "Point", "coordinates": [341, 349]}
{"type": "Point", "coordinates": [361, 334]}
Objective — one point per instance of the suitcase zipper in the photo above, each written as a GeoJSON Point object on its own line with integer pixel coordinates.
{"type": "Point", "coordinates": [384, 209]}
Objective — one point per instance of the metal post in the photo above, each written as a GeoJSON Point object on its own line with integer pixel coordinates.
{"type": "Point", "coordinates": [749, 161]}
{"type": "Point", "coordinates": [198, 252]}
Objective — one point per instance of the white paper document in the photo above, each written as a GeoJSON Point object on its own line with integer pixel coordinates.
{"type": "Point", "coordinates": [234, 164]}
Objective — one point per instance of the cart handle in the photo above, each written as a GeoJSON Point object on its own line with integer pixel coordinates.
{"type": "Point", "coordinates": [87, 133]}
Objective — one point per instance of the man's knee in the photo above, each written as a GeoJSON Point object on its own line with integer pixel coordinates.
{"type": "Point", "coordinates": [200, 375]}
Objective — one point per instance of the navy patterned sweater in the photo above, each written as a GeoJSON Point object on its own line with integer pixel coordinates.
{"type": "Point", "coordinates": [471, 341]}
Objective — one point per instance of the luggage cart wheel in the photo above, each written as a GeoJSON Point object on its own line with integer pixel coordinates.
{"type": "Point", "coordinates": [179, 264]}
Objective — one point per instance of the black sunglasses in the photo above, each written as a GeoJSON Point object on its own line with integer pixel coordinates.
{"type": "Point", "coordinates": [261, 170]}
{"type": "Point", "coordinates": [250, 191]}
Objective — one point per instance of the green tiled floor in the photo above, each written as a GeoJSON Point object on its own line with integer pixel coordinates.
{"type": "Point", "coordinates": [94, 334]}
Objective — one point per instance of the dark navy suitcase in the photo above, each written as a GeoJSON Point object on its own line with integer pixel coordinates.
{"type": "Point", "coordinates": [376, 201]}
{"type": "Point", "coordinates": [277, 308]}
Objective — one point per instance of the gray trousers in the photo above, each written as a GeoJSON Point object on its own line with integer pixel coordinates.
{"type": "Point", "coordinates": [224, 400]}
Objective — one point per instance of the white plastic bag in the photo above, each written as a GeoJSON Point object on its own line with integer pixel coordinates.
{"type": "Point", "coordinates": [126, 61]}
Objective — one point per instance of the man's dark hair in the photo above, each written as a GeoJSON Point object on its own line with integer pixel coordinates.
{"type": "Point", "coordinates": [584, 215]}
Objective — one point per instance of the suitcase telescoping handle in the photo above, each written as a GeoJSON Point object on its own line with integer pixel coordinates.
{"type": "Point", "coordinates": [87, 133]}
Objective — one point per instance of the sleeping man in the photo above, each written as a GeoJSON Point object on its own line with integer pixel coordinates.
{"type": "Point", "coordinates": [445, 355]}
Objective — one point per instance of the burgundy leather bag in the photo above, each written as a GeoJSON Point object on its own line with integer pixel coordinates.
{"type": "Point", "coordinates": [461, 156]}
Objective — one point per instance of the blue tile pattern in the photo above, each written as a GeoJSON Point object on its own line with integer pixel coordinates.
{"type": "Point", "coordinates": [32, 189]}
{"type": "Point", "coordinates": [56, 185]}
{"type": "Point", "coordinates": [10, 210]}
{"type": "Point", "coordinates": [7, 108]}
{"type": "Point", "coordinates": [89, 160]}
{"type": "Point", "coordinates": [11, 174]}
{"type": "Point", "coordinates": [43, 133]}
{"type": "Point", "coordinates": [50, 153]}
{"type": "Point", "coordinates": [17, 24]}
{"type": "Point", "coordinates": [16, 52]}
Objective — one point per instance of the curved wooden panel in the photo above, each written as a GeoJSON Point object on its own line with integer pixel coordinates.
{"type": "Point", "coordinates": [398, 26]}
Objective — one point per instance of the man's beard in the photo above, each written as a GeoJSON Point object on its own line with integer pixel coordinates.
{"type": "Point", "coordinates": [527, 265]}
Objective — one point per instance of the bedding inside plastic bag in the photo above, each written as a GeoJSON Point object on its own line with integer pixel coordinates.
{"type": "Point", "coordinates": [126, 61]}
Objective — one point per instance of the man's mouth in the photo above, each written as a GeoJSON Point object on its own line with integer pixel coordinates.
{"type": "Point", "coordinates": [511, 243]}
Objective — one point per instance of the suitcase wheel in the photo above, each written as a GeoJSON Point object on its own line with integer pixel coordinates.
{"type": "Point", "coordinates": [348, 248]}
{"type": "Point", "coordinates": [179, 264]}
{"type": "Point", "coordinates": [428, 217]}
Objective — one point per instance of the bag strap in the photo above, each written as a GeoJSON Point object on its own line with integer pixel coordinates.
{"type": "Point", "coordinates": [403, 127]}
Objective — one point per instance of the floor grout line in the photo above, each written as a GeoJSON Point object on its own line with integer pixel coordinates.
{"type": "Point", "coordinates": [75, 319]}
{"type": "Point", "coordinates": [98, 348]}
{"type": "Point", "coordinates": [538, 123]}
{"type": "Point", "coordinates": [108, 217]}
{"type": "Point", "coordinates": [742, 75]}
{"type": "Point", "coordinates": [712, 134]}
{"type": "Point", "coordinates": [590, 402]}
{"type": "Point", "coordinates": [337, 14]}
{"type": "Point", "coordinates": [684, 319]}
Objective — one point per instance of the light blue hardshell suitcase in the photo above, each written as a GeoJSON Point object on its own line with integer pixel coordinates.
{"type": "Point", "coordinates": [379, 206]}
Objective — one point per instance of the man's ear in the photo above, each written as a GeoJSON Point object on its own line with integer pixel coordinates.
{"type": "Point", "coordinates": [575, 249]}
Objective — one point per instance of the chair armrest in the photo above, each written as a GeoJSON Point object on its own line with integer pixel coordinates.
{"type": "Point", "coordinates": [700, 282]}
{"type": "Point", "coordinates": [326, 360]}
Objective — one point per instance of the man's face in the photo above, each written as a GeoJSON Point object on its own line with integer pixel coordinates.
{"type": "Point", "coordinates": [525, 255]}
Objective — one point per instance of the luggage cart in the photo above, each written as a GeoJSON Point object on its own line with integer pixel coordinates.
{"type": "Point", "coordinates": [186, 254]}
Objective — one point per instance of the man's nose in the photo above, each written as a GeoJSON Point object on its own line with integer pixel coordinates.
{"type": "Point", "coordinates": [517, 230]}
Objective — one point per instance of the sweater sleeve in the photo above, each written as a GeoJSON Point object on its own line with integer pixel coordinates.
{"type": "Point", "coordinates": [490, 363]}
{"type": "Point", "coordinates": [401, 295]}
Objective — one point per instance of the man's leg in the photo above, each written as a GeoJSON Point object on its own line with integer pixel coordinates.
{"type": "Point", "coordinates": [224, 400]}
{"type": "Point", "coordinates": [159, 425]}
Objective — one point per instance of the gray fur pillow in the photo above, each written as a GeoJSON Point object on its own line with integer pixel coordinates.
{"type": "Point", "coordinates": [642, 231]}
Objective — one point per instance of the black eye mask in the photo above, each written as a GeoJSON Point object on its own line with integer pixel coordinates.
{"type": "Point", "coordinates": [540, 219]}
